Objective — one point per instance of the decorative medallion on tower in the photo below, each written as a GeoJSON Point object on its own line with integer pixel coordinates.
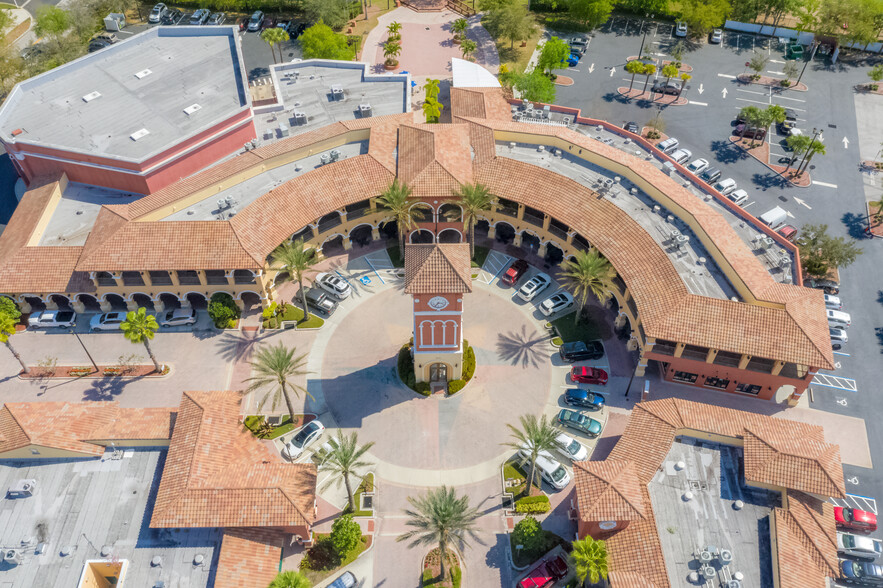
{"type": "Point", "coordinates": [436, 276]}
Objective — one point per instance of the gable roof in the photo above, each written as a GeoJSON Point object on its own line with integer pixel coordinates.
{"type": "Point", "coordinates": [609, 489]}
{"type": "Point", "coordinates": [217, 474]}
{"type": "Point", "coordinates": [807, 548]}
{"type": "Point", "coordinates": [437, 268]}
{"type": "Point", "coordinates": [249, 557]}
{"type": "Point", "coordinates": [434, 159]}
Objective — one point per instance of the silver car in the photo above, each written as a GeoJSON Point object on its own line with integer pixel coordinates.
{"type": "Point", "coordinates": [308, 435]}
{"type": "Point", "coordinates": [334, 285]}
{"type": "Point", "coordinates": [717, 35]}
{"type": "Point", "coordinates": [858, 547]}
{"type": "Point", "coordinates": [556, 303]}
{"type": "Point", "coordinates": [109, 321]}
{"type": "Point", "coordinates": [534, 286]}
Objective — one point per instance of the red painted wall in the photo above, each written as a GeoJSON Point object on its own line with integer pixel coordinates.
{"type": "Point", "coordinates": [423, 334]}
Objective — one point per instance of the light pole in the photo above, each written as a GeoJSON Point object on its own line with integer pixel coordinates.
{"type": "Point", "coordinates": [641, 52]}
{"type": "Point", "coordinates": [89, 355]}
{"type": "Point", "coordinates": [812, 53]}
{"type": "Point", "coordinates": [815, 133]}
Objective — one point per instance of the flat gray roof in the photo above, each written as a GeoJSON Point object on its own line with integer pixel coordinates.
{"type": "Point", "coordinates": [83, 505]}
{"type": "Point", "coordinates": [74, 217]}
{"type": "Point", "coordinates": [188, 65]}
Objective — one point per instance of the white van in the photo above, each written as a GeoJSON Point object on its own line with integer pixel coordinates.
{"type": "Point", "coordinates": [550, 470]}
{"type": "Point", "coordinates": [833, 302]}
{"type": "Point", "coordinates": [838, 318]}
{"type": "Point", "coordinates": [668, 145]}
{"type": "Point", "coordinates": [838, 335]}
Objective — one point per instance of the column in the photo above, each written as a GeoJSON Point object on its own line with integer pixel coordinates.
{"type": "Point", "coordinates": [239, 304]}
{"type": "Point", "coordinates": [520, 212]}
{"type": "Point", "coordinates": [743, 361]}
{"type": "Point", "coordinates": [709, 358]}
{"type": "Point", "coordinates": [491, 232]}
{"type": "Point", "coordinates": [185, 302]}
{"type": "Point", "coordinates": [517, 240]}
{"type": "Point", "coordinates": [375, 233]}
{"type": "Point", "coordinates": [547, 221]}
{"type": "Point", "coordinates": [158, 305]}
{"type": "Point", "coordinates": [777, 367]}
{"type": "Point", "coordinates": [174, 276]}
{"type": "Point", "coordinates": [620, 320]}
{"type": "Point", "coordinates": [542, 250]}
{"type": "Point", "coordinates": [347, 244]}
{"type": "Point", "coordinates": [24, 306]}
{"type": "Point", "coordinates": [228, 275]}
{"type": "Point", "coordinates": [78, 306]}
{"type": "Point", "coordinates": [50, 303]}
{"type": "Point", "coordinates": [131, 305]}
{"type": "Point", "coordinates": [201, 275]}
{"type": "Point", "coordinates": [104, 305]}
{"type": "Point", "coordinates": [147, 279]}
{"type": "Point", "coordinates": [679, 349]}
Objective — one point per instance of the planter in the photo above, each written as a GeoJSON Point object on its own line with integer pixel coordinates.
{"type": "Point", "coordinates": [456, 41]}
{"type": "Point", "coordinates": [390, 67]}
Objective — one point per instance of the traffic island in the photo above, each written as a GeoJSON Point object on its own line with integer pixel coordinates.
{"type": "Point", "coordinates": [770, 81]}
{"type": "Point", "coordinates": [563, 81]}
{"type": "Point", "coordinates": [664, 100]}
{"type": "Point", "coordinates": [101, 371]}
{"type": "Point", "coordinates": [761, 152]}
{"type": "Point", "coordinates": [431, 575]}
{"type": "Point", "coordinates": [875, 226]}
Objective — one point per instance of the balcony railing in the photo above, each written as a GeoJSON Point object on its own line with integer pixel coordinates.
{"type": "Point", "coordinates": [132, 279]}
{"type": "Point", "coordinates": [215, 277]}
{"type": "Point", "coordinates": [328, 224]}
{"type": "Point", "coordinates": [560, 233]}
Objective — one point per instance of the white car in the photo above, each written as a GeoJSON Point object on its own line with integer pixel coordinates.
{"type": "Point", "coordinates": [556, 303]}
{"type": "Point", "coordinates": [308, 435]}
{"type": "Point", "coordinates": [739, 197]}
{"type": "Point", "coordinates": [838, 335]}
{"type": "Point", "coordinates": [681, 155]}
{"type": "Point", "coordinates": [833, 302]}
{"type": "Point", "coordinates": [157, 13]}
{"type": "Point", "coordinates": [681, 29]}
{"type": "Point", "coordinates": [534, 286]}
{"type": "Point", "coordinates": [48, 319]}
{"type": "Point", "coordinates": [334, 285]}
{"type": "Point", "coordinates": [725, 186]}
{"type": "Point", "coordinates": [717, 35]}
{"type": "Point", "coordinates": [697, 166]}
{"type": "Point", "coordinates": [858, 546]}
{"type": "Point", "coordinates": [549, 468]}
{"type": "Point", "coordinates": [572, 448]}
{"type": "Point", "coordinates": [177, 317]}
{"type": "Point", "coordinates": [109, 321]}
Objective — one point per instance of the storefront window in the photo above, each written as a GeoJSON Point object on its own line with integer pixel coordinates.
{"type": "Point", "coordinates": [717, 383]}
{"type": "Point", "coordinates": [748, 389]}
{"type": "Point", "coordinates": [685, 377]}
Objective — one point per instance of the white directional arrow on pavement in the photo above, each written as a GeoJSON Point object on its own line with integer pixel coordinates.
{"type": "Point", "coordinates": [845, 143]}
{"type": "Point", "coordinates": [724, 92]}
{"type": "Point", "coordinates": [591, 68]}
{"type": "Point", "coordinates": [701, 89]}
{"type": "Point", "coordinates": [802, 203]}
{"type": "Point", "coordinates": [612, 71]}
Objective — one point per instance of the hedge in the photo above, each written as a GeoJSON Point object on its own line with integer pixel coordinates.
{"type": "Point", "coordinates": [533, 504]}
{"type": "Point", "coordinates": [455, 386]}
{"type": "Point", "coordinates": [468, 361]}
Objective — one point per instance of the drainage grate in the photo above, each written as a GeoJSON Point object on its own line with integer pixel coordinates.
{"type": "Point", "coordinates": [697, 485]}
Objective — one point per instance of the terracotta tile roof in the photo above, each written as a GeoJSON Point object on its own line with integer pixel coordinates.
{"type": "Point", "coordinates": [70, 426]}
{"type": "Point", "coordinates": [631, 580]}
{"type": "Point", "coordinates": [249, 557]}
{"type": "Point", "coordinates": [608, 490]}
{"type": "Point", "coordinates": [479, 103]}
{"type": "Point", "coordinates": [434, 159]}
{"type": "Point", "coordinates": [807, 548]}
{"type": "Point", "coordinates": [437, 268]}
{"type": "Point", "coordinates": [217, 474]}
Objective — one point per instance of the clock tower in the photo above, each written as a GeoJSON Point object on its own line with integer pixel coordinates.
{"type": "Point", "coordinates": [437, 275]}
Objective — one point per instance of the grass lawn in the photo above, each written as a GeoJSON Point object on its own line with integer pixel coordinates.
{"type": "Point", "coordinates": [293, 312]}
{"type": "Point", "coordinates": [395, 256]}
{"type": "Point", "coordinates": [322, 561]}
{"type": "Point", "coordinates": [254, 423]}
{"type": "Point", "coordinates": [363, 27]}
{"type": "Point", "coordinates": [524, 557]}
{"type": "Point", "coordinates": [480, 256]}
{"type": "Point", "coordinates": [367, 485]}
{"type": "Point", "coordinates": [584, 331]}
{"type": "Point", "coordinates": [453, 582]}
{"type": "Point", "coordinates": [515, 58]}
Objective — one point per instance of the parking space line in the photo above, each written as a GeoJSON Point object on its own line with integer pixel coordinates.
{"type": "Point", "coordinates": [794, 99]}
{"type": "Point", "coordinates": [368, 261]}
{"type": "Point", "coordinates": [751, 92]}
{"type": "Point", "coordinates": [841, 353]}
{"type": "Point", "coordinates": [699, 103]}
{"type": "Point", "coordinates": [754, 101]}
{"type": "Point", "coordinates": [720, 75]}
{"type": "Point", "coordinates": [832, 381]}
{"type": "Point", "coordinates": [825, 184]}
{"type": "Point", "coordinates": [856, 501]}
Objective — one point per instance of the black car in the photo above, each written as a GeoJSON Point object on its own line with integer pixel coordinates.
{"type": "Point", "coordinates": [296, 29]}
{"type": "Point", "coordinates": [671, 87]}
{"type": "Point", "coordinates": [580, 351]}
{"type": "Point", "coordinates": [583, 398]}
{"type": "Point", "coordinates": [173, 16]}
{"type": "Point", "coordinates": [321, 302]}
{"type": "Point", "coordinates": [632, 127]}
{"type": "Point", "coordinates": [710, 175]}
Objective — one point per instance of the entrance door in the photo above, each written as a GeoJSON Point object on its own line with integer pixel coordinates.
{"type": "Point", "coordinates": [438, 372]}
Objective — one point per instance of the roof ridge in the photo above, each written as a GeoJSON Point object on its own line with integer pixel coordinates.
{"type": "Point", "coordinates": [625, 466]}
{"type": "Point", "coordinates": [817, 557]}
{"type": "Point", "coordinates": [17, 422]}
{"type": "Point", "coordinates": [239, 241]}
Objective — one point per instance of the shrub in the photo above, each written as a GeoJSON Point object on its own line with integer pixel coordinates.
{"type": "Point", "coordinates": [406, 367]}
{"type": "Point", "coordinates": [422, 387]}
{"type": "Point", "coordinates": [533, 504]}
{"type": "Point", "coordinates": [653, 134]}
{"type": "Point", "coordinates": [468, 361]}
{"type": "Point", "coordinates": [223, 311]}
{"type": "Point", "coordinates": [557, 342]}
{"type": "Point", "coordinates": [455, 386]}
{"type": "Point", "coordinates": [345, 534]}
{"type": "Point", "coordinates": [270, 311]}
{"type": "Point", "coordinates": [528, 533]}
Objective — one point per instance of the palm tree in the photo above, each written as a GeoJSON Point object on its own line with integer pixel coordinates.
{"type": "Point", "coordinates": [397, 200]}
{"type": "Point", "coordinates": [274, 366]}
{"type": "Point", "coordinates": [684, 79]}
{"type": "Point", "coordinates": [290, 579]}
{"type": "Point", "coordinates": [815, 147]}
{"type": "Point", "coordinates": [649, 70]}
{"type": "Point", "coordinates": [589, 273]}
{"type": "Point", "coordinates": [589, 558]}
{"type": "Point", "coordinates": [272, 37]}
{"type": "Point", "coordinates": [458, 27]}
{"type": "Point", "coordinates": [391, 50]}
{"type": "Point", "coordinates": [393, 29]}
{"type": "Point", "coordinates": [669, 71]}
{"type": "Point", "coordinates": [293, 258]}
{"type": "Point", "coordinates": [468, 47]}
{"type": "Point", "coordinates": [342, 461]}
{"type": "Point", "coordinates": [773, 114]}
{"type": "Point", "coordinates": [431, 88]}
{"type": "Point", "coordinates": [441, 518]}
{"type": "Point", "coordinates": [140, 327]}
{"type": "Point", "coordinates": [8, 319]}
{"type": "Point", "coordinates": [432, 109]}
{"type": "Point", "coordinates": [634, 67]}
{"type": "Point", "coordinates": [473, 199]}
{"type": "Point", "coordinates": [535, 435]}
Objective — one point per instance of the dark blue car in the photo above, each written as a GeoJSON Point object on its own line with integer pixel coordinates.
{"type": "Point", "coordinates": [572, 60]}
{"type": "Point", "coordinates": [583, 398]}
{"type": "Point", "coordinates": [866, 573]}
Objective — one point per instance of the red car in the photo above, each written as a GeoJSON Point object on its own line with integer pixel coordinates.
{"type": "Point", "coordinates": [588, 375]}
{"type": "Point", "coordinates": [514, 273]}
{"type": "Point", "coordinates": [243, 23]}
{"type": "Point", "coordinates": [855, 520]}
{"type": "Point", "coordinates": [545, 574]}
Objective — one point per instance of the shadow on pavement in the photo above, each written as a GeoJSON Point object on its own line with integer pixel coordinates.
{"type": "Point", "coordinates": [354, 396]}
{"type": "Point", "coordinates": [726, 153]}
{"type": "Point", "coordinates": [523, 348]}
{"type": "Point", "coordinates": [769, 180]}
{"type": "Point", "coordinates": [855, 224]}
{"type": "Point", "coordinates": [108, 387]}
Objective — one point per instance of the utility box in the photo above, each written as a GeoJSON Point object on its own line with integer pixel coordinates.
{"type": "Point", "coordinates": [115, 21]}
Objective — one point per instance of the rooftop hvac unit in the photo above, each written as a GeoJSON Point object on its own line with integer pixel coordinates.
{"type": "Point", "coordinates": [23, 488]}
{"type": "Point", "coordinates": [91, 96]}
{"type": "Point", "coordinates": [143, 74]}
{"type": "Point", "coordinates": [191, 109]}
{"type": "Point", "coordinates": [12, 556]}
{"type": "Point", "coordinates": [139, 134]}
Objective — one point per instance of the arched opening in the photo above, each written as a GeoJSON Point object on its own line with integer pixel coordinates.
{"type": "Point", "coordinates": [438, 372]}
{"type": "Point", "coordinates": [450, 236]}
{"type": "Point", "coordinates": [243, 276]}
{"type": "Point", "coordinates": [251, 303]}
{"type": "Point", "coordinates": [305, 234]}
{"type": "Point", "coordinates": [62, 301]}
{"type": "Point", "coordinates": [361, 235]}
{"type": "Point", "coordinates": [333, 246]}
{"type": "Point", "coordinates": [421, 213]}
{"type": "Point", "coordinates": [389, 230]}
{"type": "Point", "coordinates": [422, 236]}
{"type": "Point", "coordinates": [505, 232]}
{"type": "Point", "coordinates": [89, 302]}
{"type": "Point", "coordinates": [572, 258]}
{"type": "Point", "coordinates": [36, 303]}
{"type": "Point", "coordinates": [143, 300]}
{"type": "Point", "coordinates": [116, 301]}
{"type": "Point", "coordinates": [624, 331]}
{"type": "Point", "coordinates": [169, 301]}
{"type": "Point", "coordinates": [554, 254]}
{"type": "Point", "coordinates": [329, 221]}
{"type": "Point", "coordinates": [451, 213]}
{"type": "Point", "coordinates": [197, 300]}
{"type": "Point", "coordinates": [530, 242]}
{"type": "Point", "coordinates": [481, 228]}
{"type": "Point", "coordinates": [581, 243]}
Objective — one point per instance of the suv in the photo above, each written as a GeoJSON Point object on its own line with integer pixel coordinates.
{"type": "Point", "coordinates": [514, 273]}
{"type": "Point", "coordinates": [581, 351]}
{"type": "Point", "coordinates": [101, 40]}
{"type": "Point", "coordinates": [669, 144]}
{"type": "Point", "coordinates": [579, 45]}
{"type": "Point", "coordinates": [681, 155]}
{"type": "Point", "coordinates": [710, 175]}
{"type": "Point", "coordinates": [173, 16]}
{"type": "Point", "coordinates": [321, 301]}
{"type": "Point", "coordinates": [681, 29]}
{"type": "Point", "coordinates": [217, 18]}
{"type": "Point", "coordinates": [334, 285]}
{"type": "Point", "coordinates": [157, 13]}
{"type": "Point", "coordinates": [254, 23]}
{"type": "Point", "coordinates": [534, 286]}
{"type": "Point", "coordinates": [109, 321]}
{"type": "Point", "coordinates": [200, 16]}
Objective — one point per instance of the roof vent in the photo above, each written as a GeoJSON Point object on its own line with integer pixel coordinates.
{"type": "Point", "coordinates": [139, 134]}
{"type": "Point", "coordinates": [143, 74]}
{"type": "Point", "coordinates": [191, 109]}
{"type": "Point", "coordinates": [91, 96]}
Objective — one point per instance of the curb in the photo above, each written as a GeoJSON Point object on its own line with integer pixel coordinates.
{"type": "Point", "coordinates": [768, 166]}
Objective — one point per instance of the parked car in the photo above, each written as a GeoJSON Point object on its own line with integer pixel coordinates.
{"type": "Point", "coordinates": [862, 572]}
{"type": "Point", "coordinates": [269, 22]}
{"type": "Point", "coordinates": [157, 12]}
{"type": "Point", "coordinates": [681, 29]}
{"type": "Point", "coordinates": [725, 186]}
{"type": "Point", "coordinates": [579, 45]}
{"type": "Point", "coordinates": [48, 319]}
{"type": "Point", "coordinates": [632, 127]}
{"type": "Point", "coordinates": [838, 318]}
{"type": "Point", "coordinates": [749, 132]}
{"type": "Point", "coordinates": [838, 335]}
{"type": "Point", "coordinates": [579, 422]}
{"type": "Point", "coordinates": [534, 286]}
{"type": "Point", "coordinates": [717, 35]}
{"type": "Point", "coordinates": [710, 175]}
{"type": "Point", "coordinates": [104, 37]}
{"type": "Point", "coordinates": [697, 166]}
{"type": "Point", "coordinates": [832, 302]}
{"type": "Point", "coordinates": [243, 23]}
{"type": "Point", "coordinates": [200, 16]}
{"type": "Point", "coordinates": [859, 547]}
{"type": "Point", "coordinates": [571, 448]}
{"type": "Point", "coordinates": [550, 470]}
{"type": "Point", "coordinates": [308, 435]}
{"type": "Point", "coordinates": [788, 232]}
{"type": "Point", "coordinates": [581, 351]}
{"type": "Point", "coordinates": [346, 580]}
{"type": "Point", "coordinates": [681, 155]}
{"type": "Point", "coordinates": [178, 317]}
{"type": "Point", "coordinates": [790, 123]}
{"type": "Point", "coordinates": [669, 144]}
{"type": "Point", "coordinates": [172, 17]}
{"type": "Point", "coordinates": [740, 197]}
{"type": "Point", "coordinates": [320, 301]}
{"type": "Point", "coordinates": [296, 29]}
{"type": "Point", "coordinates": [216, 18]}
{"type": "Point", "coordinates": [588, 375]}
{"type": "Point", "coordinates": [98, 45]}
{"type": "Point", "coordinates": [544, 574]}
{"type": "Point", "coordinates": [254, 23]}
{"type": "Point", "coordinates": [109, 321]}
{"type": "Point", "coordinates": [855, 519]}
{"type": "Point", "coordinates": [670, 87]}
{"type": "Point", "coordinates": [584, 398]}
{"type": "Point", "coordinates": [32, 51]}
{"type": "Point", "coordinates": [556, 303]}
{"type": "Point", "coordinates": [283, 24]}
{"type": "Point", "coordinates": [334, 285]}
{"type": "Point", "coordinates": [572, 60]}
{"type": "Point", "coordinates": [514, 273]}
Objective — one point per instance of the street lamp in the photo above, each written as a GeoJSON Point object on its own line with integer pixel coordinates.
{"type": "Point", "coordinates": [815, 133]}
{"type": "Point", "coordinates": [815, 47]}
{"type": "Point", "coordinates": [641, 52]}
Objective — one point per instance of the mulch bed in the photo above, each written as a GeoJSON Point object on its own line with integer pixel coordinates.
{"type": "Point", "coordinates": [683, 69]}
{"type": "Point", "coordinates": [104, 371]}
{"type": "Point", "coordinates": [770, 81]}
{"type": "Point", "coordinates": [866, 88]}
{"type": "Point", "coordinates": [638, 93]}
{"type": "Point", "coordinates": [432, 562]}
{"type": "Point", "coordinates": [563, 81]}
{"type": "Point", "coordinates": [654, 142]}
{"type": "Point", "coordinates": [875, 227]}
{"type": "Point", "coordinates": [761, 152]}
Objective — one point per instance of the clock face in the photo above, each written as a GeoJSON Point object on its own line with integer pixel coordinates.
{"type": "Point", "coordinates": [607, 525]}
{"type": "Point", "coordinates": [438, 303]}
